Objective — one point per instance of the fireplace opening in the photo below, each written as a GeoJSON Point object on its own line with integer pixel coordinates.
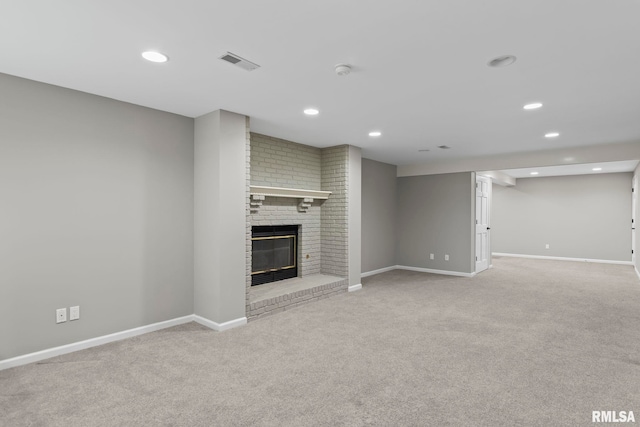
{"type": "Point", "coordinates": [273, 253]}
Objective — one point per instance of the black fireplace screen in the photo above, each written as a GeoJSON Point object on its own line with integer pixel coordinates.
{"type": "Point", "coordinates": [273, 253]}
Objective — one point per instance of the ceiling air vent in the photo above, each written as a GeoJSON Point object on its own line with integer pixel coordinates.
{"type": "Point", "coordinates": [238, 61]}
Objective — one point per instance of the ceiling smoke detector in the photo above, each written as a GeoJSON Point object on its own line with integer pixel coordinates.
{"type": "Point", "coordinates": [502, 61]}
{"type": "Point", "coordinates": [238, 61]}
{"type": "Point", "coordinates": [343, 69]}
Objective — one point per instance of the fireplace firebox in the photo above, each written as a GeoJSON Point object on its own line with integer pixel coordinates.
{"type": "Point", "coordinates": [273, 253]}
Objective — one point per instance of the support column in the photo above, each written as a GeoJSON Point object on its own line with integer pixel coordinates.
{"type": "Point", "coordinates": [354, 203]}
{"type": "Point", "coordinates": [220, 186]}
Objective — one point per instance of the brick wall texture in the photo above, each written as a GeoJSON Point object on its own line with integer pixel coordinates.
{"type": "Point", "coordinates": [279, 163]}
{"type": "Point", "coordinates": [333, 218]}
{"type": "Point", "coordinates": [248, 214]}
{"type": "Point", "coordinates": [286, 302]}
{"type": "Point", "coordinates": [322, 244]}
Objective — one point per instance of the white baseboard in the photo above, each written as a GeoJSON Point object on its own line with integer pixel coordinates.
{"type": "Point", "coordinates": [637, 272]}
{"type": "Point", "coordinates": [220, 326]}
{"type": "Point", "coordinates": [354, 288]}
{"type": "Point", "coordinates": [378, 271]}
{"type": "Point", "coordinates": [420, 269]}
{"type": "Point", "coordinates": [105, 339]}
{"type": "Point", "coordinates": [430, 270]}
{"type": "Point", "coordinates": [93, 342]}
{"type": "Point", "coordinates": [600, 261]}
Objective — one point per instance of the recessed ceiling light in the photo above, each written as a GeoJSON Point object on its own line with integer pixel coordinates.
{"type": "Point", "coordinates": [155, 56]}
{"type": "Point", "coordinates": [533, 106]}
{"type": "Point", "coordinates": [551, 135]}
{"type": "Point", "coordinates": [311, 111]}
{"type": "Point", "coordinates": [569, 159]}
{"type": "Point", "coordinates": [502, 61]}
{"type": "Point", "coordinates": [375, 133]}
{"type": "Point", "coordinates": [534, 173]}
{"type": "Point", "coordinates": [596, 169]}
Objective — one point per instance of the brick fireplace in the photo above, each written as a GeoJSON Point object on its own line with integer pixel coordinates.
{"type": "Point", "coordinates": [311, 192]}
{"type": "Point", "coordinates": [317, 190]}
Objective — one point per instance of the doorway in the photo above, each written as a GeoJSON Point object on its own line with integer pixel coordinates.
{"type": "Point", "coordinates": [634, 204]}
{"type": "Point", "coordinates": [483, 224]}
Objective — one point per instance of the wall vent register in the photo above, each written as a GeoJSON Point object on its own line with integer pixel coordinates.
{"type": "Point", "coordinates": [238, 61]}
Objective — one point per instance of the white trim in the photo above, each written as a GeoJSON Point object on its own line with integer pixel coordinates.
{"type": "Point", "coordinates": [637, 272]}
{"type": "Point", "coordinates": [600, 261]}
{"type": "Point", "coordinates": [430, 270]}
{"type": "Point", "coordinates": [378, 271]}
{"type": "Point", "coordinates": [92, 342]}
{"type": "Point", "coordinates": [354, 288]}
{"type": "Point", "coordinates": [220, 326]}
{"type": "Point", "coordinates": [297, 193]}
{"type": "Point", "coordinates": [419, 269]}
{"type": "Point", "coordinates": [105, 339]}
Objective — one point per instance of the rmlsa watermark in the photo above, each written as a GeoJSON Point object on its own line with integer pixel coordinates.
{"type": "Point", "coordinates": [612, 417]}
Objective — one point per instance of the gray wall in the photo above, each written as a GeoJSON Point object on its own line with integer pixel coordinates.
{"type": "Point", "coordinates": [584, 216]}
{"type": "Point", "coordinates": [220, 180]}
{"type": "Point", "coordinates": [379, 203]}
{"type": "Point", "coordinates": [96, 210]}
{"type": "Point", "coordinates": [436, 215]}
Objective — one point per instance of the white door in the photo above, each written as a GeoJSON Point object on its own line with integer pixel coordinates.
{"type": "Point", "coordinates": [634, 199]}
{"type": "Point", "coordinates": [483, 240]}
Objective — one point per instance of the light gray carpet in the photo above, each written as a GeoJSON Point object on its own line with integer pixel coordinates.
{"type": "Point", "coordinates": [529, 342]}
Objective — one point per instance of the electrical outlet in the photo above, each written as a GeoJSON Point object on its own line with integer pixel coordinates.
{"type": "Point", "coordinates": [431, 256]}
{"type": "Point", "coordinates": [74, 312]}
{"type": "Point", "coordinates": [61, 315]}
{"type": "Point", "coordinates": [446, 257]}
{"type": "Point", "coordinates": [547, 246]}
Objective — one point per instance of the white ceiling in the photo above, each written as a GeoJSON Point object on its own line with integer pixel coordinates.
{"type": "Point", "coordinates": [419, 67]}
{"type": "Point", "coordinates": [582, 169]}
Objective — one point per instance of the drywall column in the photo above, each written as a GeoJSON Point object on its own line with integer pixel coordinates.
{"type": "Point", "coordinates": [220, 181]}
{"type": "Point", "coordinates": [354, 212]}
{"type": "Point", "coordinates": [379, 211]}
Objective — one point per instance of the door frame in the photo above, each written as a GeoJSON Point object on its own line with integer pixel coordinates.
{"type": "Point", "coordinates": [634, 207]}
{"type": "Point", "coordinates": [488, 229]}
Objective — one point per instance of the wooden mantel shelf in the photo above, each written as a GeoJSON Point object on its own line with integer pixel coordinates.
{"type": "Point", "coordinates": [259, 193]}
{"type": "Point", "coordinates": [289, 192]}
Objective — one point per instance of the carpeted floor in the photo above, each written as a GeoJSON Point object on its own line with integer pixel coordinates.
{"type": "Point", "coordinates": [529, 342]}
